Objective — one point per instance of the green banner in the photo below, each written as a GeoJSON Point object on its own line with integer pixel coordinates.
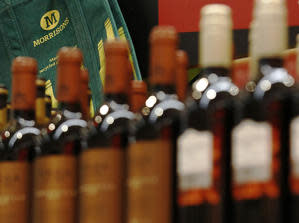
{"type": "Point", "coordinates": [38, 29]}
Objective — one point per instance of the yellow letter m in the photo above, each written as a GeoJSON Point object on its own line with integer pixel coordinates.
{"type": "Point", "coordinates": [50, 20]}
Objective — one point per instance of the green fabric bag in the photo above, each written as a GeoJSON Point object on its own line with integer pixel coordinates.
{"type": "Point", "coordinates": [38, 28]}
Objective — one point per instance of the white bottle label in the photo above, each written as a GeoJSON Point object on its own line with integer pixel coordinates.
{"type": "Point", "coordinates": [295, 147]}
{"type": "Point", "coordinates": [252, 152]}
{"type": "Point", "coordinates": [195, 162]}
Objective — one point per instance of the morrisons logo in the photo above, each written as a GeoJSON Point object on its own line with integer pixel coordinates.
{"type": "Point", "coordinates": [50, 20]}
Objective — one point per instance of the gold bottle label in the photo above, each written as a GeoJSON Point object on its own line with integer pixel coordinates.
{"type": "Point", "coordinates": [55, 182]}
{"type": "Point", "coordinates": [14, 192]}
{"type": "Point", "coordinates": [101, 185]}
{"type": "Point", "coordinates": [149, 182]}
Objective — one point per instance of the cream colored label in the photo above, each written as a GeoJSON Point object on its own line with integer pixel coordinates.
{"type": "Point", "coordinates": [14, 192]}
{"type": "Point", "coordinates": [55, 189]}
{"type": "Point", "coordinates": [149, 182]}
{"type": "Point", "coordinates": [195, 159]}
{"type": "Point", "coordinates": [252, 152]}
{"type": "Point", "coordinates": [102, 176]}
{"type": "Point", "coordinates": [295, 147]}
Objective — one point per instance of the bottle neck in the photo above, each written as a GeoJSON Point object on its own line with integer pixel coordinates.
{"type": "Point", "coordinates": [167, 89]}
{"type": "Point", "coordinates": [137, 101]}
{"type": "Point", "coordinates": [85, 105]}
{"type": "Point", "coordinates": [219, 71]}
{"type": "Point", "coordinates": [119, 98]}
{"type": "Point", "coordinates": [265, 66]}
{"type": "Point", "coordinates": [3, 118]}
{"type": "Point", "coordinates": [24, 114]}
{"type": "Point", "coordinates": [48, 110]}
{"type": "Point", "coordinates": [40, 111]}
{"type": "Point", "coordinates": [3, 111]}
{"type": "Point", "coordinates": [72, 107]}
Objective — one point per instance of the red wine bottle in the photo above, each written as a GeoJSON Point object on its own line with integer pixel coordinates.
{"type": "Point", "coordinates": [205, 144]}
{"type": "Point", "coordinates": [3, 108]}
{"type": "Point", "coordinates": [181, 74]}
{"type": "Point", "coordinates": [261, 137]}
{"type": "Point", "coordinates": [294, 148]}
{"type": "Point", "coordinates": [40, 104]}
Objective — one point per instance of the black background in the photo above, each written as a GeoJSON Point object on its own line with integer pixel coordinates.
{"type": "Point", "coordinates": [142, 15]}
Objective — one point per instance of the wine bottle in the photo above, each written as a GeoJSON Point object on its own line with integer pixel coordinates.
{"type": "Point", "coordinates": [294, 148]}
{"type": "Point", "coordinates": [138, 95]}
{"type": "Point", "coordinates": [90, 104]}
{"type": "Point", "coordinates": [84, 96]}
{"type": "Point", "coordinates": [9, 111]}
{"type": "Point", "coordinates": [3, 108]}
{"type": "Point", "coordinates": [55, 167]}
{"type": "Point", "coordinates": [48, 102]}
{"type": "Point", "coordinates": [40, 104]}
{"type": "Point", "coordinates": [19, 141]}
{"type": "Point", "coordinates": [152, 183]}
{"type": "Point", "coordinates": [102, 163]}
{"type": "Point", "coordinates": [261, 136]}
{"type": "Point", "coordinates": [205, 144]}
{"type": "Point", "coordinates": [181, 74]}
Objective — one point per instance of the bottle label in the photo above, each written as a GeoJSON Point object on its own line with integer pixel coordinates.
{"type": "Point", "coordinates": [102, 177]}
{"type": "Point", "coordinates": [195, 163]}
{"type": "Point", "coordinates": [14, 192]}
{"type": "Point", "coordinates": [55, 184]}
{"type": "Point", "coordinates": [252, 152]}
{"type": "Point", "coordinates": [295, 147]}
{"type": "Point", "coordinates": [149, 181]}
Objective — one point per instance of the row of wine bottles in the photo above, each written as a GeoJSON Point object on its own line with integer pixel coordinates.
{"type": "Point", "coordinates": [65, 166]}
{"type": "Point", "coordinates": [216, 154]}
{"type": "Point", "coordinates": [238, 152]}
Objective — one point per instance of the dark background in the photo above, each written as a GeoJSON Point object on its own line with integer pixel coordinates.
{"type": "Point", "coordinates": [142, 15]}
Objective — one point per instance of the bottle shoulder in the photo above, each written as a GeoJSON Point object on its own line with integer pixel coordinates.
{"type": "Point", "coordinates": [161, 110]}
{"type": "Point", "coordinates": [111, 116]}
{"type": "Point", "coordinates": [21, 132]}
{"type": "Point", "coordinates": [214, 90]}
{"type": "Point", "coordinates": [275, 83]}
{"type": "Point", "coordinates": [19, 140]}
{"type": "Point", "coordinates": [64, 134]}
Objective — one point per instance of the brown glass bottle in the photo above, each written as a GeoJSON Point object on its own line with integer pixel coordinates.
{"type": "Point", "coordinates": [138, 95]}
{"type": "Point", "coordinates": [19, 140]}
{"type": "Point", "coordinates": [261, 137]}
{"type": "Point", "coordinates": [102, 163]}
{"type": "Point", "coordinates": [40, 104]}
{"type": "Point", "coordinates": [55, 168]}
{"type": "Point", "coordinates": [152, 153]}
{"type": "Point", "coordinates": [181, 74]}
{"type": "Point", "coordinates": [3, 107]}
